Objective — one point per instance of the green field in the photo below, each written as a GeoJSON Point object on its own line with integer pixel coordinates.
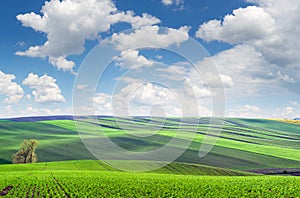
{"type": "Point", "coordinates": [67, 169]}
{"type": "Point", "coordinates": [116, 184]}
{"type": "Point", "coordinates": [243, 143]}
{"type": "Point", "coordinates": [94, 178]}
{"type": "Point", "coordinates": [97, 165]}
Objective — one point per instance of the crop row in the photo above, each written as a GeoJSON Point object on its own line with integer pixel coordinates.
{"type": "Point", "coordinates": [113, 184]}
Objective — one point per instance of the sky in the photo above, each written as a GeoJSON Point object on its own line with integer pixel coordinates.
{"type": "Point", "coordinates": [237, 58]}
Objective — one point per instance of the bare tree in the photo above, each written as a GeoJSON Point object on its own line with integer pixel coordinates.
{"type": "Point", "coordinates": [27, 153]}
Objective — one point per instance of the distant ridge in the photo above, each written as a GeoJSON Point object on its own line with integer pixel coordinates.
{"type": "Point", "coordinates": [45, 118]}
{"type": "Point", "coordinates": [40, 118]}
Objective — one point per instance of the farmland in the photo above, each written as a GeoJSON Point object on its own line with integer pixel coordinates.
{"type": "Point", "coordinates": [120, 184]}
{"type": "Point", "coordinates": [286, 120]}
{"type": "Point", "coordinates": [67, 169]}
{"type": "Point", "coordinates": [244, 144]}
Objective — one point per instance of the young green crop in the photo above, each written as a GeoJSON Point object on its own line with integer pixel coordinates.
{"type": "Point", "coordinates": [243, 143]}
{"type": "Point", "coordinates": [116, 184]}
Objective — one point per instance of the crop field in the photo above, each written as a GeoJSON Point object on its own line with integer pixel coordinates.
{"type": "Point", "coordinates": [96, 166]}
{"type": "Point", "coordinates": [286, 120]}
{"type": "Point", "coordinates": [244, 144]}
{"type": "Point", "coordinates": [116, 184]}
{"type": "Point", "coordinates": [67, 169]}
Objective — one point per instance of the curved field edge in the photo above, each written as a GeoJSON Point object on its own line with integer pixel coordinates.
{"type": "Point", "coordinates": [120, 184]}
{"type": "Point", "coordinates": [244, 144]}
{"type": "Point", "coordinates": [96, 165]}
{"type": "Point", "coordinates": [264, 125]}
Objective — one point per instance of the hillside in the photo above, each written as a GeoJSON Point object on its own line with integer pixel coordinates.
{"type": "Point", "coordinates": [96, 165]}
{"type": "Point", "coordinates": [244, 144]}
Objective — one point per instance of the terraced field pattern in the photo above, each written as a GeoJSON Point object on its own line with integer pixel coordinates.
{"type": "Point", "coordinates": [67, 169]}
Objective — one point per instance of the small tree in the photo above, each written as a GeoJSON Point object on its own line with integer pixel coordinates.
{"type": "Point", "coordinates": [27, 153]}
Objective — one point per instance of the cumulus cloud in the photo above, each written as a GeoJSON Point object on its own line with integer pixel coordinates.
{"type": "Point", "coordinates": [135, 21]}
{"type": "Point", "coordinates": [130, 59]}
{"type": "Point", "coordinates": [150, 36]}
{"type": "Point", "coordinates": [176, 72]}
{"type": "Point", "coordinates": [62, 63]}
{"type": "Point", "coordinates": [138, 98]}
{"type": "Point", "coordinates": [149, 93]}
{"type": "Point", "coordinates": [270, 28]}
{"type": "Point", "coordinates": [103, 104]}
{"type": "Point", "coordinates": [45, 89]}
{"type": "Point", "coordinates": [218, 80]}
{"type": "Point", "coordinates": [244, 71]}
{"type": "Point", "coordinates": [69, 23]}
{"type": "Point", "coordinates": [245, 24]}
{"type": "Point", "coordinates": [195, 90]}
{"type": "Point", "coordinates": [12, 91]}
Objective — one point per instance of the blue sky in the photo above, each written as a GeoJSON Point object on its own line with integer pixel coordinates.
{"type": "Point", "coordinates": [253, 44]}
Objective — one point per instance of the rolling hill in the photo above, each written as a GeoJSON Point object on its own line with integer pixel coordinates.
{"type": "Point", "coordinates": [244, 144]}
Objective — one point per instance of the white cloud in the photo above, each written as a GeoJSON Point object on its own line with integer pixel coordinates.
{"type": "Point", "coordinates": [244, 70]}
{"type": "Point", "coordinates": [294, 103]}
{"type": "Point", "coordinates": [155, 38]}
{"type": "Point", "coordinates": [147, 99]}
{"type": "Point", "coordinates": [32, 111]}
{"type": "Point", "coordinates": [135, 21]}
{"type": "Point", "coordinates": [251, 108]}
{"type": "Point", "coordinates": [167, 2]}
{"type": "Point", "coordinates": [45, 89]}
{"type": "Point", "coordinates": [130, 59]}
{"type": "Point", "coordinates": [285, 77]}
{"type": "Point", "coordinates": [149, 94]}
{"type": "Point", "coordinates": [159, 57]}
{"type": "Point", "coordinates": [11, 90]}
{"type": "Point", "coordinates": [176, 72]}
{"type": "Point", "coordinates": [246, 111]}
{"type": "Point", "coordinates": [219, 80]}
{"type": "Point", "coordinates": [129, 80]}
{"type": "Point", "coordinates": [8, 108]}
{"type": "Point", "coordinates": [138, 98]}
{"type": "Point", "coordinates": [173, 2]}
{"type": "Point", "coordinates": [271, 28]}
{"type": "Point", "coordinates": [103, 104]}
{"type": "Point", "coordinates": [69, 23]}
{"type": "Point", "coordinates": [195, 90]}
{"type": "Point", "coordinates": [286, 112]}
{"type": "Point", "coordinates": [245, 24]}
{"type": "Point", "coordinates": [62, 63]}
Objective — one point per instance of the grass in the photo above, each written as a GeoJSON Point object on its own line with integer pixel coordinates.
{"type": "Point", "coordinates": [243, 143]}
{"type": "Point", "coordinates": [120, 184]}
{"type": "Point", "coordinates": [96, 165]}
